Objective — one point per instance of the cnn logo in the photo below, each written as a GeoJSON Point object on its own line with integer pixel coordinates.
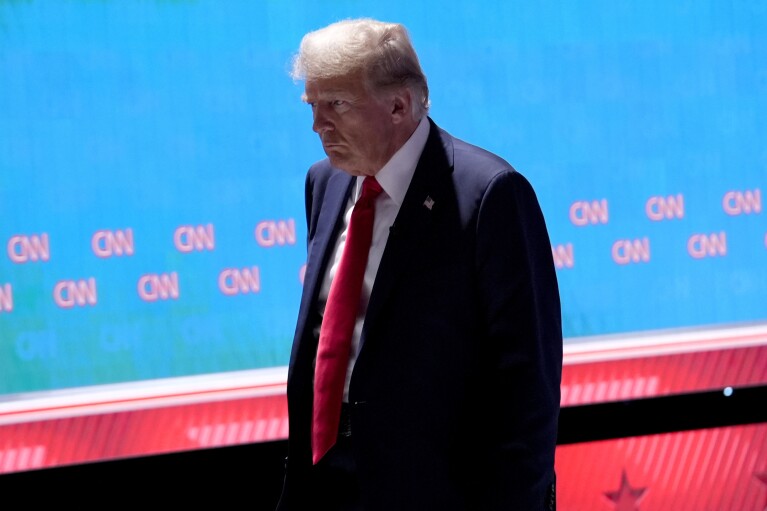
{"type": "Point", "coordinates": [106, 243]}
{"type": "Point", "coordinates": [707, 245]}
{"type": "Point", "coordinates": [188, 238]}
{"type": "Point", "coordinates": [71, 293]}
{"type": "Point", "coordinates": [631, 251]}
{"type": "Point", "coordinates": [233, 281]}
{"type": "Point", "coordinates": [23, 248]}
{"type": "Point", "coordinates": [588, 213]}
{"type": "Point", "coordinates": [563, 256]}
{"type": "Point", "coordinates": [665, 208]}
{"type": "Point", "coordinates": [271, 233]}
{"type": "Point", "coordinates": [6, 298]}
{"type": "Point", "coordinates": [739, 203]}
{"type": "Point", "coordinates": [153, 287]}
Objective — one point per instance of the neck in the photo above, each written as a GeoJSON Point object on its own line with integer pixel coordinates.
{"type": "Point", "coordinates": [402, 133]}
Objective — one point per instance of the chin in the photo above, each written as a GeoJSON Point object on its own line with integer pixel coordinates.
{"type": "Point", "coordinates": [345, 165]}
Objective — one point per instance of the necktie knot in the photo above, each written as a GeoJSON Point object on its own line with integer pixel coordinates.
{"type": "Point", "coordinates": [371, 189]}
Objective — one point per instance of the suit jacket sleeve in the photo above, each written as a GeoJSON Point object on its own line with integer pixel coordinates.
{"type": "Point", "coordinates": [521, 309]}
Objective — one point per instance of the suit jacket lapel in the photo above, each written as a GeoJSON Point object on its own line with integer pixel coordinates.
{"type": "Point", "coordinates": [336, 196]}
{"type": "Point", "coordinates": [413, 219]}
{"type": "Point", "coordinates": [322, 244]}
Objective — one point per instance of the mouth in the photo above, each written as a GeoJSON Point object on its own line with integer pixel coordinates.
{"type": "Point", "coordinates": [331, 147]}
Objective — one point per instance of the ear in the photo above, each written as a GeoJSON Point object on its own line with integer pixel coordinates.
{"type": "Point", "coordinates": [401, 102]}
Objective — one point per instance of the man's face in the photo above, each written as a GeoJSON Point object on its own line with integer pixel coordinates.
{"type": "Point", "coordinates": [357, 128]}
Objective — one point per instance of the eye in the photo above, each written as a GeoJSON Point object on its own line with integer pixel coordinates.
{"type": "Point", "coordinates": [337, 102]}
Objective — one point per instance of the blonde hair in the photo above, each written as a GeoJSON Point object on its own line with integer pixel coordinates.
{"type": "Point", "coordinates": [381, 52]}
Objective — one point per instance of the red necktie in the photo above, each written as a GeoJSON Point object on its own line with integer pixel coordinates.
{"type": "Point", "coordinates": [338, 322]}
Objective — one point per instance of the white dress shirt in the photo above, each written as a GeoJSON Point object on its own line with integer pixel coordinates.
{"type": "Point", "coordinates": [395, 179]}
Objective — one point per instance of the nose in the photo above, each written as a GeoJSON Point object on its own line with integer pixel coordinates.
{"type": "Point", "coordinates": [321, 122]}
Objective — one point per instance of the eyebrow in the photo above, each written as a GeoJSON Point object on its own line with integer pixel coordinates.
{"type": "Point", "coordinates": [343, 93]}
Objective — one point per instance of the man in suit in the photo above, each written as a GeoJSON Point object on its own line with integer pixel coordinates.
{"type": "Point", "coordinates": [450, 347]}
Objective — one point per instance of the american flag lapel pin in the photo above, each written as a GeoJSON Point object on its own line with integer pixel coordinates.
{"type": "Point", "coordinates": [429, 203]}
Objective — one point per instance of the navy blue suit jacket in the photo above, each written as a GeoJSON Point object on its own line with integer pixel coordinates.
{"type": "Point", "coordinates": [455, 393]}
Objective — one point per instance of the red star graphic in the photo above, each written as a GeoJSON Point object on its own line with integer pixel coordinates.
{"type": "Point", "coordinates": [626, 498]}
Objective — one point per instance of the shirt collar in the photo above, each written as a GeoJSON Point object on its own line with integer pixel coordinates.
{"type": "Point", "coordinates": [395, 176]}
